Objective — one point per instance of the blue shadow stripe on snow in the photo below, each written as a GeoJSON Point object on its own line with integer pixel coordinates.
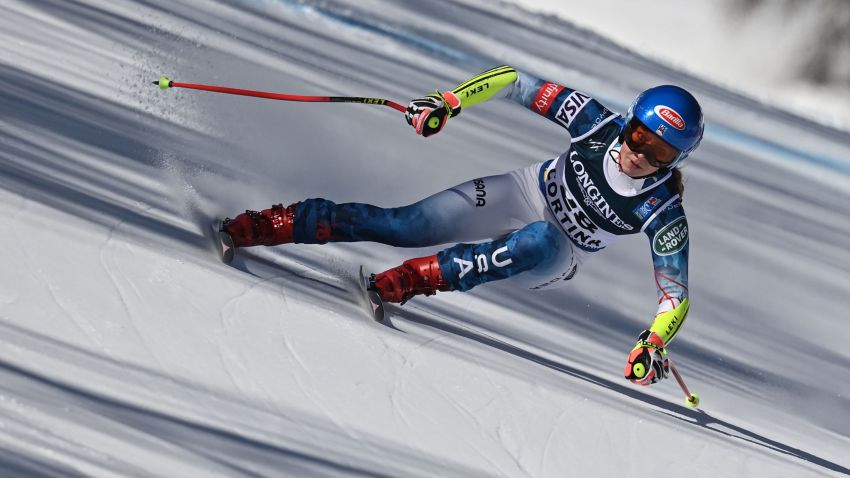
{"type": "Point", "coordinates": [274, 447]}
{"type": "Point", "coordinates": [711, 425]}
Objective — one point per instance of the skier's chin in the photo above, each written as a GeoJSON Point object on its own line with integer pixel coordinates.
{"type": "Point", "coordinates": [629, 167]}
{"type": "Point", "coordinates": [632, 166]}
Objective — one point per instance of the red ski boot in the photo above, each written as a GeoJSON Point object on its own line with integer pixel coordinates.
{"type": "Point", "coordinates": [413, 277]}
{"type": "Point", "coordinates": [269, 227]}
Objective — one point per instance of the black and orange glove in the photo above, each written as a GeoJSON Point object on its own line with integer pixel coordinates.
{"type": "Point", "coordinates": [428, 115]}
{"type": "Point", "coordinates": [647, 362]}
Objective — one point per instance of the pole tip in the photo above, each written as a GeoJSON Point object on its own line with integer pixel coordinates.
{"type": "Point", "coordinates": [693, 400]}
{"type": "Point", "coordinates": [164, 83]}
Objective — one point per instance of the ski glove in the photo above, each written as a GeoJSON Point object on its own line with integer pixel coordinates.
{"type": "Point", "coordinates": [430, 114]}
{"type": "Point", "coordinates": [647, 362]}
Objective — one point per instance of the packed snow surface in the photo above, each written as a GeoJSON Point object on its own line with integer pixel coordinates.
{"type": "Point", "coordinates": [127, 349]}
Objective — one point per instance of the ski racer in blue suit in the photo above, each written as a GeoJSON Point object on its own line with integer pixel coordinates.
{"type": "Point", "coordinates": [537, 225]}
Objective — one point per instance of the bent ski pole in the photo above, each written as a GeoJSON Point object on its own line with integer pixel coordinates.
{"type": "Point", "coordinates": [691, 399]}
{"type": "Point", "coordinates": [164, 83]}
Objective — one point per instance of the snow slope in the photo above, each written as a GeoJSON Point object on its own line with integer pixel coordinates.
{"type": "Point", "coordinates": [126, 349]}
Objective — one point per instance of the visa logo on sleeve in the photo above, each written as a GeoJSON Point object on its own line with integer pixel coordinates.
{"type": "Point", "coordinates": [571, 107]}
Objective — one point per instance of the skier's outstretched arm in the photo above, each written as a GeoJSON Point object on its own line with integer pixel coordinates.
{"type": "Point", "coordinates": [573, 110]}
{"type": "Point", "coordinates": [668, 235]}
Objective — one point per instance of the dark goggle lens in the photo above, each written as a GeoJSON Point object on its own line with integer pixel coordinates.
{"type": "Point", "coordinates": [641, 140]}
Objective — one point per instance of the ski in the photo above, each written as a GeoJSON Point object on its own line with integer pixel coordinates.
{"type": "Point", "coordinates": [373, 300]}
{"type": "Point", "coordinates": [223, 243]}
{"type": "Point", "coordinates": [228, 251]}
{"type": "Point", "coordinates": [374, 306]}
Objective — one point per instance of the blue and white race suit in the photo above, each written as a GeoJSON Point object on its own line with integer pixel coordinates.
{"type": "Point", "coordinates": [538, 224]}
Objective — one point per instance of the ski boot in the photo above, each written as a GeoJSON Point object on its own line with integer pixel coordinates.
{"type": "Point", "coordinates": [269, 227]}
{"type": "Point", "coordinates": [411, 278]}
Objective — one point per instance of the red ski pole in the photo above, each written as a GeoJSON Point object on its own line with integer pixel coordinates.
{"type": "Point", "coordinates": [164, 83]}
{"type": "Point", "coordinates": [691, 399]}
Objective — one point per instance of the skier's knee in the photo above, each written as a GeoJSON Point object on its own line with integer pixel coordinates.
{"type": "Point", "coordinates": [535, 243]}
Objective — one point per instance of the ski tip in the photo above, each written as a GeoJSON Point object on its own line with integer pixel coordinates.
{"type": "Point", "coordinates": [227, 249]}
{"type": "Point", "coordinates": [376, 304]}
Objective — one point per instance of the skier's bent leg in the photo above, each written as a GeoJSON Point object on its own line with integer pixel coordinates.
{"type": "Point", "coordinates": [447, 216]}
{"type": "Point", "coordinates": [474, 210]}
{"type": "Point", "coordinates": [317, 221]}
{"type": "Point", "coordinates": [464, 266]}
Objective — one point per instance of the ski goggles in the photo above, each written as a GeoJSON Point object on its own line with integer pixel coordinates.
{"type": "Point", "coordinates": [658, 153]}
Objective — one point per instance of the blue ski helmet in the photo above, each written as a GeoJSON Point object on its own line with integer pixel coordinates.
{"type": "Point", "coordinates": [673, 114]}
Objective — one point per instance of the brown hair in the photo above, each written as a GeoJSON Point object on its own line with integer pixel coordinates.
{"type": "Point", "coordinates": [678, 183]}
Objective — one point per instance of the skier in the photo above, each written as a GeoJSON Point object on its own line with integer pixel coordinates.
{"type": "Point", "coordinates": [534, 225]}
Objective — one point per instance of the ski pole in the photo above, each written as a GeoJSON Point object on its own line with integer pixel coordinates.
{"type": "Point", "coordinates": [164, 83]}
{"type": "Point", "coordinates": [691, 399]}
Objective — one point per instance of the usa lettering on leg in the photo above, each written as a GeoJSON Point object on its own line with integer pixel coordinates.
{"type": "Point", "coordinates": [481, 262]}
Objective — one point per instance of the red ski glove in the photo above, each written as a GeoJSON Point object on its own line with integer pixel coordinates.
{"type": "Point", "coordinates": [428, 115]}
{"type": "Point", "coordinates": [647, 362]}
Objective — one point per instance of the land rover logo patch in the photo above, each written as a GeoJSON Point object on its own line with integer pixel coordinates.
{"type": "Point", "coordinates": [671, 238]}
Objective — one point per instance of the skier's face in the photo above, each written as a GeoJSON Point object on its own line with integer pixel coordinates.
{"type": "Point", "coordinates": [634, 164]}
{"type": "Point", "coordinates": [644, 152]}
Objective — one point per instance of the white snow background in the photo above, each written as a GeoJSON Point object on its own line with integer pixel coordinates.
{"type": "Point", "coordinates": [791, 53]}
{"type": "Point", "coordinates": [127, 349]}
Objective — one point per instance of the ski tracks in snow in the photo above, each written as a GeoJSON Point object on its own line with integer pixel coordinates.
{"type": "Point", "coordinates": [112, 270]}
{"type": "Point", "coordinates": [33, 261]}
{"type": "Point", "coordinates": [434, 346]}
